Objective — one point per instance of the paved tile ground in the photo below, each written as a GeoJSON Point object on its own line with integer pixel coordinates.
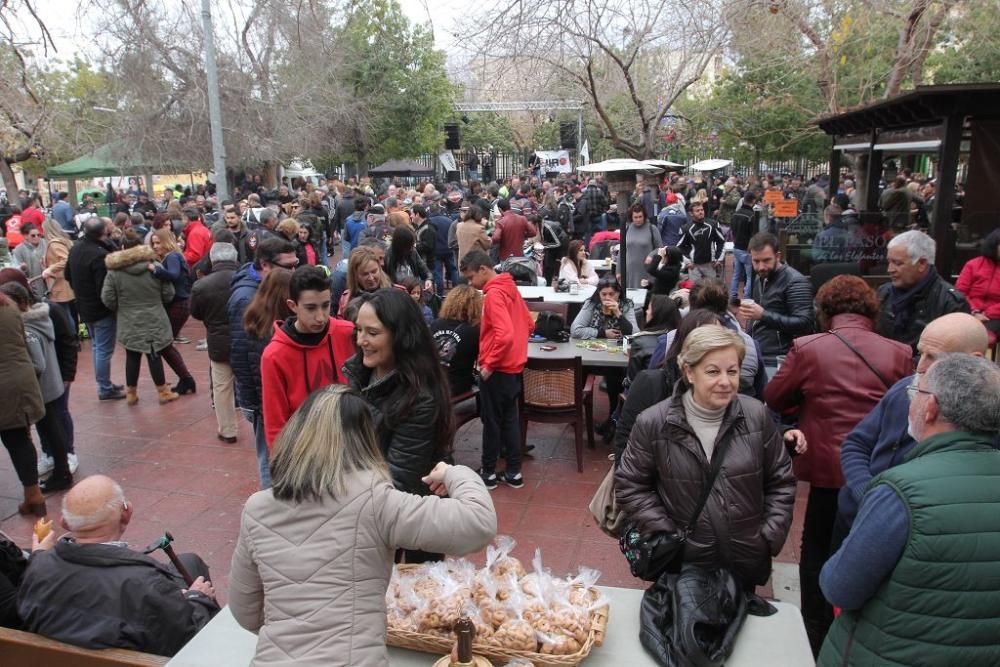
{"type": "Point", "coordinates": [181, 479]}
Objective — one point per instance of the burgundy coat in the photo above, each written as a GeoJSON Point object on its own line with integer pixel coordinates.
{"type": "Point", "coordinates": [832, 390]}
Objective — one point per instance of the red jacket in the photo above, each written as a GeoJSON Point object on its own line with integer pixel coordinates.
{"type": "Point", "coordinates": [197, 241]}
{"type": "Point", "coordinates": [832, 390]}
{"type": "Point", "coordinates": [34, 216]}
{"type": "Point", "coordinates": [979, 281]}
{"type": "Point", "coordinates": [510, 233]}
{"type": "Point", "coordinates": [290, 371]}
{"type": "Point", "coordinates": [506, 325]}
{"type": "Point", "coordinates": [601, 237]}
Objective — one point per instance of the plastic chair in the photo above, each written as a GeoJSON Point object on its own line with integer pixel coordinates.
{"type": "Point", "coordinates": [555, 391]}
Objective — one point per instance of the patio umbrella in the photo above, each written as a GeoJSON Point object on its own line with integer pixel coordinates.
{"type": "Point", "coordinates": [710, 165]}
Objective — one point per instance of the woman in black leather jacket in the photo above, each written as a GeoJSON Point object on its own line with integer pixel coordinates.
{"type": "Point", "coordinates": [398, 371]}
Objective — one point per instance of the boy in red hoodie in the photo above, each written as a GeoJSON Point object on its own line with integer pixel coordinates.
{"type": "Point", "coordinates": [306, 352]}
{"type": "Point", "coordinates": [503, 351]}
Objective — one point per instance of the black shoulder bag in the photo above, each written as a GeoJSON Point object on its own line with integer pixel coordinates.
{"type": "Point", "coordinates": [862, 358]}
{"type": "Point", "coordinates": [652, 554]}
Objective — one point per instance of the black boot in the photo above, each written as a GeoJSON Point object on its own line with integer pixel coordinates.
{"type": "Point", "coordinates": [185, 386]}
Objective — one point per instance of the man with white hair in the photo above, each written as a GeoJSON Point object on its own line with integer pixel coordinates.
{"type": "Point", "coordinates": [916, 294]}
{"type": "Point", "coordinates": [209, 299]}
{"type": "Point", "coordinates": [916, 577]}
{"type": "Point", "coordinates": [90, 589]}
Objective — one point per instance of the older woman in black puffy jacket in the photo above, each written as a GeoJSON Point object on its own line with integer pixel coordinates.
{"type": "Point", "coordinates": [665, 464]}
{"type": "Point", "coordinates": [398, 371]}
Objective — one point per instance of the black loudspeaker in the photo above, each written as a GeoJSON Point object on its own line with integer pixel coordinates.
{"type": "Point", "coordinates": [453, 177]}
{"type": "Point", "coordinates": [567, 135]}
{"type": "Point", "coordinates": [453, 138]}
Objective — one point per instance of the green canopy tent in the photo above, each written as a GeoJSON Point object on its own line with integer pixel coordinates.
{"type": "Point", "coordinates": [102, 161]}
{"type": "Point", "coordinates": [109, 160]}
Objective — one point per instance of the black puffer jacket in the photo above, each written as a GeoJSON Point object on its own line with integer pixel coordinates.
{"type": "Point", "coordinates": [938, 298]}
{"type": "Point", "coordinates": [408, 446]}
{"type": "Point", "coordinates": [140, 600]}
{"type": "Point", "coordinates": [746, 519]}
{"type": "Point", "coordinates": [787, 299]}
{"type": "Point", "coordinates": [209, 299]}
{"type": "Point", "coordinates": [85, 272]}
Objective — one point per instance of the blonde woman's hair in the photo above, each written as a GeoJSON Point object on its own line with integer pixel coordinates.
{"type": "Point", "coordinates": [167, 239]}
{"type": "Point", "coordinates": [330, 436]}
{"type": "Point", "coordinates": [51, 231]}
{"type": "Point", "coordinates": [706, 339]}
{"type": "Point", "coordinates": [359, 257]}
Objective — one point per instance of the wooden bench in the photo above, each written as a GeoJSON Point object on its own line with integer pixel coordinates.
{"type": "Point", "coordinates": [26, 648]}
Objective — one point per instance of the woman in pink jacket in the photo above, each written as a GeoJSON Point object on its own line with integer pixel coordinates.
{"type": "Point", "coordinates": [315, 551]}
{"type": "Point", "coordinates": [980, 283]}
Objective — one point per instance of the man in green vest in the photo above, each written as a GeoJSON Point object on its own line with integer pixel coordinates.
{"type": "Point", "coordinates": [918, 577]}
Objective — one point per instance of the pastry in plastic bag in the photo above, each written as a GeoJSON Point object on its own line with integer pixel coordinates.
{"type": "Point", "coordinates": [500, 562]}
{"type": "Point", "coordinates": [558, 643]}
{"type": "Point", "coordinates": [516, 635]}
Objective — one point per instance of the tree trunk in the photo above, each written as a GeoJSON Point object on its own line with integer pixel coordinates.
{"type": "Point", "coordinates": [269, 174]}
{"type": "Point", "coordinates": [9, 181]}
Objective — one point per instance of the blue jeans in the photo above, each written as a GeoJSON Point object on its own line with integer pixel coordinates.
{"type": "Point", "coordinates": [445, 269]}
{"type": "Point", "coordinates": [742, 269]}
{"type": "Point", "coordinates": [102, 338]}
{"type": "Point", "coordinates": [256, 417]}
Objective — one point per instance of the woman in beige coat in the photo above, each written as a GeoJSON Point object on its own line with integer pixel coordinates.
{"type": "Point", "coordinates": [60, 293]}
{"type": "Point", "coordinates": [315, 551]}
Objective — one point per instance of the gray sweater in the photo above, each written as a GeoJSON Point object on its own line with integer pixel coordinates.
{"type": "Point", "coordinates": [40, 335]}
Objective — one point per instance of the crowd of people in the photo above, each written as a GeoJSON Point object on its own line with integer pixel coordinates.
{"type": "Point", "coordinates": [350, 367]}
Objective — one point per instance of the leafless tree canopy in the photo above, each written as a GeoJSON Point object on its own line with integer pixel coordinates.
{"type": "Point", "coordinates": [629, 59]}
{"type": "Point", "coordinates": [280, 94]}
{"type": "Point", "coordinates": [24, 114]}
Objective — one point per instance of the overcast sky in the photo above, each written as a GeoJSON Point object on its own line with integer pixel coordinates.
{"type": "Point", "coordinates": [73, 33]}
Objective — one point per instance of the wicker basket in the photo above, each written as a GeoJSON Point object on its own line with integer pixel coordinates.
{"type": "Point", "coordinates": [438, 645]}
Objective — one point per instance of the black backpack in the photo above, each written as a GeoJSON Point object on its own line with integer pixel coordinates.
{"type": "Point", "coordinates": [521, 270]}
{"type": "Point", "coordinates": [551, 326]}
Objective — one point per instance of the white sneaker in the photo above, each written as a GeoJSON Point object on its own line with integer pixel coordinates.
{"type": "Point", "coordinates": [45, 465]}
{"type": "Point", "coordinates": [73, 463]}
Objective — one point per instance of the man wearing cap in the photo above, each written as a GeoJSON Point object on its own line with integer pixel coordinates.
{"type": "Point", "coordinates": [378, 227]}
{"type": "Point", "coordinates": [591, 205]}
{"type": "Point", "coordinates": [671, 219]}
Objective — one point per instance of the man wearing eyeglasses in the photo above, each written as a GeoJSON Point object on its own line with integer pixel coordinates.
{"type": "Point", "coordinates": [916, 577]}
{"type": "Point", "coordinates": [91, 589]}
{"type": "Point", "coordinates": [881, 440]}
{"type": "Point", "coordinates": [29, 256]}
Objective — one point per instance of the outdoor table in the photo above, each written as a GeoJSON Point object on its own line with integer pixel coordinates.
{"type": "Point", "coordinates": [599, 265]}
{"type": "Point", "coordinates": [550, 295]}
{"type": "Point", "coordinates": [590, 358]}
{"type": "Point", "coordinates": [775, 641]}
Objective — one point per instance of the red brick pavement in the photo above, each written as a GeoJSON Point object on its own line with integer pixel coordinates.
{"type": "Point", "coordinates": [182, 479]}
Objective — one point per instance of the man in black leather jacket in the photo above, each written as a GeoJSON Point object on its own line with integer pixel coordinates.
{"type": "Point", "coordinates": [90, 589]}
{"type": "Point", "coordinates": [916, 294]}
{"type": "Point", "coordinates": [783, 299]}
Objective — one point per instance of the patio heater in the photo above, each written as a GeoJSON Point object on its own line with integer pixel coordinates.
{"type": "Point", "coordinates": [620, 174]}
